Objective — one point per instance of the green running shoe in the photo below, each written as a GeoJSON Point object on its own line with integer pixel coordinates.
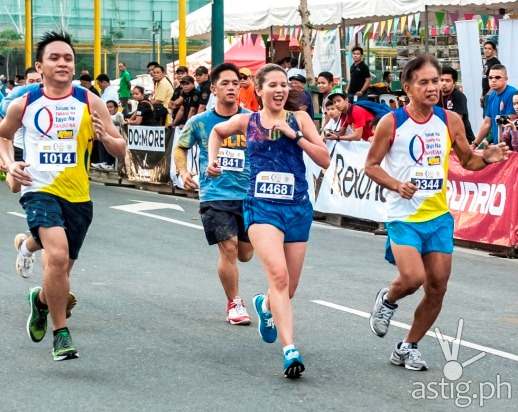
{"type": "Point", "coordinates": [37, 321]}
{"type": "Point", "coordinates": [63, 346]}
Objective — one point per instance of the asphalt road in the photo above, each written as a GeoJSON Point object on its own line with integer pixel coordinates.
{"type": "Point", "coordinates": [151, 333]}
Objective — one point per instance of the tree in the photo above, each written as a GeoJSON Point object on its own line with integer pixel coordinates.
{"type": "Point", "coordinates": [305, 41]}
{"type": "Point", "coordinates": [8, 38]}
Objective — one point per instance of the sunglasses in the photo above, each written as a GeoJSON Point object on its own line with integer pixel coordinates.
{"type": "Point", "coordinates": [495, 77]}
{"type": "Point", "coordinates": [243, 77]}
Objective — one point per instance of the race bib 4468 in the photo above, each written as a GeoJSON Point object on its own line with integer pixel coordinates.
{"type": "Point", "coordinates": [275, 185]}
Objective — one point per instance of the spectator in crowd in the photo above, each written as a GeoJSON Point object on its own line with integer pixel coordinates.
{"type": "Point", "coordinates": [190, 101]}
{"type": "Point", "coordinates": [247, 96]}
{"type": "Point", "coordinates": [453, 99]}
{"type": "Point", "coordinates": [176, 100]}
{"type": "Point", "coordinates": [124, 86]}
{"type": "Point", "coordinates": [178, 74]}
{"type": "Point", "coordinates": [499, 101]}
{"type": "Point", "coordinates": [19, 80]}
{"type": "Point", "coordinates": [10, 86]}
{"type": "Point", "coordinates": [332, 125]}
{"type": "Point", "coordinates": [3, 86]}
{"type": "Point", "coordinates": [85, 81]}
{"type": "Point", "coordinates": [108, 92]}
{"type": "Point", "coordinates": [150, 66]}
{"type": "Point", "coordinates": [288, 63]}
{"type": "Point", "coordinates": [510, 127]}
{"type": "Point", "coordinates": [32, 76]}
{"type": "Point", "coordinates": [144, 115]}
{"type": "Point", "coordinates": [162, 94]}
{"type": "Point", "coordinates": [490, 61]}
{"type": "Point", "coordinates": [105, 160]}
{"type": "Point", "coordinates": [360, 76]}
{"type": "Point", "coordinates": [201, 74]}
{"type": "Point", "coordinates": [353, 116]}
{"type": "Point", "coordinates": [298, 83]}
{"type": "Point", "coordinates": [325, 84]}
{"type": "Point", "coordinates": [384, 85]}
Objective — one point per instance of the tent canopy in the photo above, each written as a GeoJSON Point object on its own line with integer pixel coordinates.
{"type": "Point", "coordinates": [260, 16]}
{"type": "Point", "coordinates": [251, 53]}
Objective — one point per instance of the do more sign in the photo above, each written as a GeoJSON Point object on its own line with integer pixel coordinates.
{"type": "Point", "coordinates": [146, 138]}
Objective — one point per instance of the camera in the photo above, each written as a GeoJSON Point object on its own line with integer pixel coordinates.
{"type": "Point", "coordinates": [504, 119]}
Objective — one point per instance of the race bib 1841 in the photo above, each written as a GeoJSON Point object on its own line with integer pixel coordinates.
{"type": "Point", "coordinates": [275, 185]}
{"type": "Point", "coordinates": [231, 159]}
{"type": "Point", "coordinates": [429, 179]}
{"type": "Point", "coordinates": [56, 155]}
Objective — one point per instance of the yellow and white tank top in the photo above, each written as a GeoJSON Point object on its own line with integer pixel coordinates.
{"type": "Point", "coordinates": [420, 154]}
{"type": "Point", "coordinates": [58, 142]}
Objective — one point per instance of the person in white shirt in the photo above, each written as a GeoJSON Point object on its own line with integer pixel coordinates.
{"type": "Point", "coordinates": [108, 92]}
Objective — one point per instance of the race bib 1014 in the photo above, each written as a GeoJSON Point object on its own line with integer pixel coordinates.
{"type": "Point", "coordinates": [56, 155]}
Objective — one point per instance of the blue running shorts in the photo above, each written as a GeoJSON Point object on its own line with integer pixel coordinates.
{"type": "Point", "coordinates": [435, 235]}
{"type": "Point", "coordinates": [294, 220]}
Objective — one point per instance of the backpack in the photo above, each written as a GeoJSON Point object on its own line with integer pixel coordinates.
{"type": "Point", "coordinates": [377, 109]}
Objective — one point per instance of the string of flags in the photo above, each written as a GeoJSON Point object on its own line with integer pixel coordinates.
{"type": "Point", "coordinates": [407, 25]}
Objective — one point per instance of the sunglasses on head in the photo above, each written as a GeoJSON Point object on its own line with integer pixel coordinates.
{"type": "Point", "coordinates": [243, 77]}
{"type": "Point", "coordinates": [495, 77]}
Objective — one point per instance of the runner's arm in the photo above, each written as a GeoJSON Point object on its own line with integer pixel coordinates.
{"type": "Point", "coordinates": [469, 159]}
{"type": "Point", "coordinates": [236, 124]}
{"type": "Point", "coordinates": [379, 148]}
{"type": "Point", "coordinates": [312, 143]}
{"type": "Point", "coordinates": [186, 140]}
{"type": "Point", "coordinates": [105, 130]}
{"type": "Point", "coordinates": [8, 127]}
{"type": "Point", "coordinates": [483, 131]}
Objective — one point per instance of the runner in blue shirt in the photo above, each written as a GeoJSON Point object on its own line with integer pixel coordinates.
{"type": "Point", "coordinates": [277, 210]}
{"type": "Point", "coordinates": [221, 198]}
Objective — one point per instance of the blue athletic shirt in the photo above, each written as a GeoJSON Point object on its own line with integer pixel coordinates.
{"type": "Point", "coordinates": [279, 155]}
{"type": "Point", "coordinates": [499, 104]}
{"type": "Point", "coordinates": [230, 185]}
{"type": "Point", "coordinates": [16, 92]}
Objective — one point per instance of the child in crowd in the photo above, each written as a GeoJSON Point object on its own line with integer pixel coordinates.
{"type": "Point", "coordinates": [510, 129]}
{"type": "Point", "coordinates": [332, 121]}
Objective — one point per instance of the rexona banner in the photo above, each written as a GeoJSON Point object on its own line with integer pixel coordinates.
{"type": "Point", "coordinates": [485, 203]}
{"type": "Point", "coordinates": [148, 138]}
{"type": "Point", "coordinates": [345, 188]}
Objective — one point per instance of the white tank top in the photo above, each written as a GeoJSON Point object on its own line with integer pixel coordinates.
{"type": "Point", "coordinates": [57, 144]}
{"type": "Point", "coordinates": [420, 154]}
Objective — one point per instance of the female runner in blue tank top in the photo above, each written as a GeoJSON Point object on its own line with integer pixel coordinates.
{"type": "Point", "coordinates": [277, 210]}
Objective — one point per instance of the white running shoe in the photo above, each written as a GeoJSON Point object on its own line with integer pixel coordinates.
{"type": "Point", "coordinates": [24, 264]}
{"type": "Point", "coordinates": [411, 358]}
{"type": "Point", "coordinates": [236, 312]}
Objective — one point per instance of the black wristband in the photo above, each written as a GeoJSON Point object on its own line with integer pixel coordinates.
{"type": "Point", "coordinates": [298, 136]}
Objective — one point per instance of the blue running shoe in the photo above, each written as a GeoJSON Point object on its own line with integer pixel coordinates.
{"type": "Point", "coordinates": [266, 327]}
{"type": "Point", "coordinates": [293, 364]}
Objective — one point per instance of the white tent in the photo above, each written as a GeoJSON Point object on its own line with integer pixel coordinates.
{"type": "Point", "coordinates": [260, 15]}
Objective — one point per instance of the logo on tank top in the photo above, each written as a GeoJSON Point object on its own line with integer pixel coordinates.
{"type": "Point", "coordinates": [43, 121]}
{"type": "Point", "coordinates": [417, 149]}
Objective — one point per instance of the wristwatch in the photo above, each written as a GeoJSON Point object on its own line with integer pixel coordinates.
{"type": "Point", "coordinates": [298, 136]}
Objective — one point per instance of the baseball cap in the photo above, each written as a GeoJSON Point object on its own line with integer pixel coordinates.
{"type": "Point", "coordinates": [337, 93]}
{"type": "Point", "coordinates": [298, 77]}
{"type": "Point", "coordinates": [245, 71]}
{"type": "Point", "coordinates": [187, 79]}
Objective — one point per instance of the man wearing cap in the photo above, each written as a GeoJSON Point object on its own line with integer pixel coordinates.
{"type": "Point", "coordinates": [358, 118]}
{"type": "Point", "coordinates": [247, 97]}
{"type": "Point", "coordinates": [298, 83]}
{"type": "Point", "coordinates": [201, 74]}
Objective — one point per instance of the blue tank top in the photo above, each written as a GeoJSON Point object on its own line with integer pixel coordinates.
{"type": "Point", "coordinates": [277, 169]}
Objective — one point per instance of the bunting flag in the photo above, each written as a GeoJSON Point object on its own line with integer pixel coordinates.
{"type": "Point", "coordinates": [410, 19]}
{"type": "Point", "coordinates": [446, 30]}
{"type": "Point", "coordinates": [396, 24]}
{"type": "Point", "coordinates": [497, 21]}
{"type": "Point", "coordinates": [367, 28]}
{"type": "Point", "coordinates": [403, 24]}
{"type": "Point", "coordinates": [389, 27]}
{"type": "Point", "coordinates": [439, 17]}
{"type": "Point", "coordinates": [265, 38]}
{"type": "Point", "coordinates": [484, 21]}
{"type": "Point", "coordinates": [468, 16]}
{"type": "Point", "coordinates": [375, 30]}
{"type": "Point", "coordinates": [230, 38]}
{"type": "Point", "coordinates": [453, 16]}
{"type": "Point", "coordinates": [417, 17]}
{"type": "Point", "coordinates": [357, 29]}
{"type": "Point", "coordinates": [292, 32]}
{"type": "Point", "coordinates": [382, 27]}
{"type": "Point", "coordinates": [254, 38]}
{"type": "Point", "coordinates": [242, 40]}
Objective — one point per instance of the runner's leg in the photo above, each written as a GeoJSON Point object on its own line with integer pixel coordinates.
{"type": "Point", "coordinates": [438, 269]}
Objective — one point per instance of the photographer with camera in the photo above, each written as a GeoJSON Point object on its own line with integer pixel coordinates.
{"type": "Point", "coordinates": [510, 127]}
{"type": "Point", "coordinates": [499, 102]}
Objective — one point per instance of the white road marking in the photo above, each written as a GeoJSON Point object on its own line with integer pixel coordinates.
{"type": "Point", "coordinates": [140, 208]}
{"type": "Point", "coordinates": [401, 325]}
{"type": "Point", "coordinates": [325, 226]}
{"type": "Point", "coordinates": [17, 214]}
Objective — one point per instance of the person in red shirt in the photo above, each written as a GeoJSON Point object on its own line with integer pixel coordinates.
{"type": "Point", "coordinates": [247, 97]}
{"type": "Point", "coordinates": [355, 121]}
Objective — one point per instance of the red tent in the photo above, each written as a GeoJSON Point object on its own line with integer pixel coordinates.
{"type": "Point", "coordinates": [248, 52]}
